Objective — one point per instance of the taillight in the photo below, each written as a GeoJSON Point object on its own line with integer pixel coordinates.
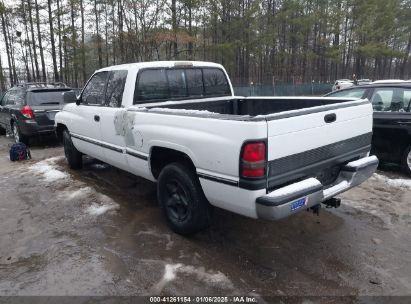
{"type": "Point", "coordinates": [252, 162]}
{"type": "Point", "coordinates": [27, 112]}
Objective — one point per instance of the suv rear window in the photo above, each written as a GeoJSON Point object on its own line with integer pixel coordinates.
{"type": "Point", "coordinates": [168, 84]}
{"type": "Point", "coordinates": [45, 97]}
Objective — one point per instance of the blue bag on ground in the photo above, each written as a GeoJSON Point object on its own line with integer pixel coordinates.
{"type": "Point", "coordinates": [19, 151]}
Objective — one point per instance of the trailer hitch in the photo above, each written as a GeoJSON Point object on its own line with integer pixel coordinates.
{"type": "Point", "coordinates": [315, 209]}
{"type": "Point", "coordinates": [332, 202]}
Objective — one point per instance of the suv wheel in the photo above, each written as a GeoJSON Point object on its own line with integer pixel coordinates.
{"type": "Point", "coordinates": [406, 160]}
{"type": "Point", "coordinates": [18, 137]}
{"type": "Point", "coordinates": [74, 157]}
{"type": "Point", "coordinates": [182, 199]}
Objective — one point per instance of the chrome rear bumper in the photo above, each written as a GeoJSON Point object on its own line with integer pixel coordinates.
{"type": "Point", "coordinates": [299, 196]}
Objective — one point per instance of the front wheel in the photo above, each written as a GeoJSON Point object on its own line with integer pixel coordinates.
{"type": "Point", "coordinates": [74, 157]}
{"type": "Point", "coordinates": [182, 199]}
{"type": "Point", "coordinates": [406, 160]}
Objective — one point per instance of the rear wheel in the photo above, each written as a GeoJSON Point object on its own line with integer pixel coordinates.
{"type": "Point", "coordinates": [406, 160]}
{"type": "Point", "coordinates": [74, 157]}
{"type": "Point", "coordinates": [182, 199]}
{"type": "Point", "coordinates": [18, 137]}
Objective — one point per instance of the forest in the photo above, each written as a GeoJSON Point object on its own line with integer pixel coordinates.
{"type": "Point", "coordinates": [258, 41]}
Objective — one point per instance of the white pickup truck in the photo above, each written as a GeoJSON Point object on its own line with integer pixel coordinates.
{"type": "Point", "coordinates": [178, 123]}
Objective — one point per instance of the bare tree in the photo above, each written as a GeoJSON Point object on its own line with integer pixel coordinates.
{"type": "Point", "coordinates": [53, 47]}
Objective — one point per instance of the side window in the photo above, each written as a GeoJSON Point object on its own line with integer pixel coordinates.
{"type": "Point", "coordinates": [19, 98]}
{"type": "Point", "coordinates": [194, 79]}
{"type": "Point", "coordinates": [215, 82]}
{"type": "Point", "coordinates": [151, 85]}
{"type": "Point", "coordinates": [5, 99]}
{"type": "Point", "coordinates": [11, 98]}
{"type": "Point", "coordinates": [389, 100]}
{"type": "Point", "coordinates": [115, 88]}
{"type": "Point", "coordinates": [93, 93]}
{"type": "Point", "coordinates": [177, 83]}
{"type": "Point", "coordinates": [407, 100]}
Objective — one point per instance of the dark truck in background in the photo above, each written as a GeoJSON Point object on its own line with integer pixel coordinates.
{"type": "Point", "coordinates": [29, 109]}
{"type": "Point", "coordinates": [391, 102]}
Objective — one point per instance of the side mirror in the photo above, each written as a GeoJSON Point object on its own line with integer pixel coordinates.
{"type": "Point", "coordinates": [69, 97]}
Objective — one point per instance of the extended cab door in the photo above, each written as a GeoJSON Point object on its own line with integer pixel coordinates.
{"type": "Point", "coordinates": [392, 122]}
{"type": "Point", "coordinates": [113, 141]}
{"type": "Point", "coordinates": [85, 123]}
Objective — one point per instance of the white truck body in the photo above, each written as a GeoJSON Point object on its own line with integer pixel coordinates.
{"type": "Point", "coordinates": [315, 147]}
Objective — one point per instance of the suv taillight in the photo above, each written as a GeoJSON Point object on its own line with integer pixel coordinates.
{"type": "Point", "coordinates": [252, 162]}
{"type": "Point", "coordinates": [27, 112]}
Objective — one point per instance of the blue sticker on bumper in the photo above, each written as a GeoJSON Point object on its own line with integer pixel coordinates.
{"type": "Point", "coordinates": [302, 202]}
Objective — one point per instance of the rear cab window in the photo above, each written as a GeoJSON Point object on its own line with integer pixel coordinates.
{"type": "Point", "coordinates": [155, 85]}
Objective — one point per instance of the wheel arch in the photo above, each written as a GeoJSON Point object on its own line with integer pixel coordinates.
{"type": "Point", "coordinates": [161, 156]}
{"type": "Point", "coordinates": [59, 131]}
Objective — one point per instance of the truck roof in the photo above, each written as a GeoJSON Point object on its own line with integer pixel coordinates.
{"type": "Point", "coordinates": [161, 64]}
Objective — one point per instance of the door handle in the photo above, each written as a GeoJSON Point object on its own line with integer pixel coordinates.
{"type": "Point", "coordinates": [329, 118]}
{"type": "Point", "coordinates": [404, 122]}
{"type": "Point", "coordinates": [96, 118]}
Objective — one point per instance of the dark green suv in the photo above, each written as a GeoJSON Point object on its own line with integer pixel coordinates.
{"type": "Point", "coordinates": [27, 110]}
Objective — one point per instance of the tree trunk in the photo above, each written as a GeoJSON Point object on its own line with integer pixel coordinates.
{"type": "Point", "coordinates": [120, 29]}
{"type": "Point", "coordinates": [33, 40]}
{"type": "Point", "coordinates": [43, 65]}
{"type": "Point", "coordinates": [2, 82]}
{"type": "Point", "coordinates": [190, 30]}
{"type": "Point", "coordinates": [74, 43]}
{"type": "Point", "coordinates": [174, 27]}
{"type": "Point", "coordinates": [53, 47]}
{"type": "Point", "coordinates": [83, 50]}
{"type": "Point", "coordinates": [6, 41]}
{"type": "Point", "coordinates": [59, 37]}
{"type": "Point", "coordinates": [100, 56]}
{"type": "Point", "coordinates": [27, 38]}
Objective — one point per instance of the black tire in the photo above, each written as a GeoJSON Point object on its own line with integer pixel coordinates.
{"type": "Point", "coordinates": [406, 160]}
{"type": "Point", "coordinates": [183, 202]}
{"type": "Point", "coordinates": [74, 157]}
{"type": "Point", "coordinates": [18, 137]}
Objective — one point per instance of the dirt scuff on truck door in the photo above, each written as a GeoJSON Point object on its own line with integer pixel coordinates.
{"type": "Point", "coordinates": [124, 126]}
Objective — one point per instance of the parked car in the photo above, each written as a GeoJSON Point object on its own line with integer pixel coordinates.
{"type": "Point", "coordinates": [392, 119]}
{"type": "Point", "coordinates": [342, 84]}
{"type": "Point", "coordinates": [179, 124]}
{"type": "Point", "coordinates": [29, 109]}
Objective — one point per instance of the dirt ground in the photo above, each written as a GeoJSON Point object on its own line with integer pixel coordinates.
{"type": "Point", "coordinates": [99, 231]}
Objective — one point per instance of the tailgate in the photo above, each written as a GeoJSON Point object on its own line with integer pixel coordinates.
{"type": "Point", "coordinates": [315, 142]}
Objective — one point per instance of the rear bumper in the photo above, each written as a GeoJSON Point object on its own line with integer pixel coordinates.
{"type": "Point", "coordinates": [293, 198]}
{"type": "Point", "coordinates": [31, 127]}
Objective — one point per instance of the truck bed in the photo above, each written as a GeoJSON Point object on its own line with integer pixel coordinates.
{"type": "Point", "coordinates": [320, 133]}
{"type": "Point", "coordinates": [249, 106]}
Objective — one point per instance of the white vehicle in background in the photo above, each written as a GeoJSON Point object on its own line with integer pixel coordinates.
{"type": "Point", "coordinates": [342, 84]}
{"type": "Point", "coordinates": [364, 81]}
{"type": "Point", "coordinates": [178, 124]}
